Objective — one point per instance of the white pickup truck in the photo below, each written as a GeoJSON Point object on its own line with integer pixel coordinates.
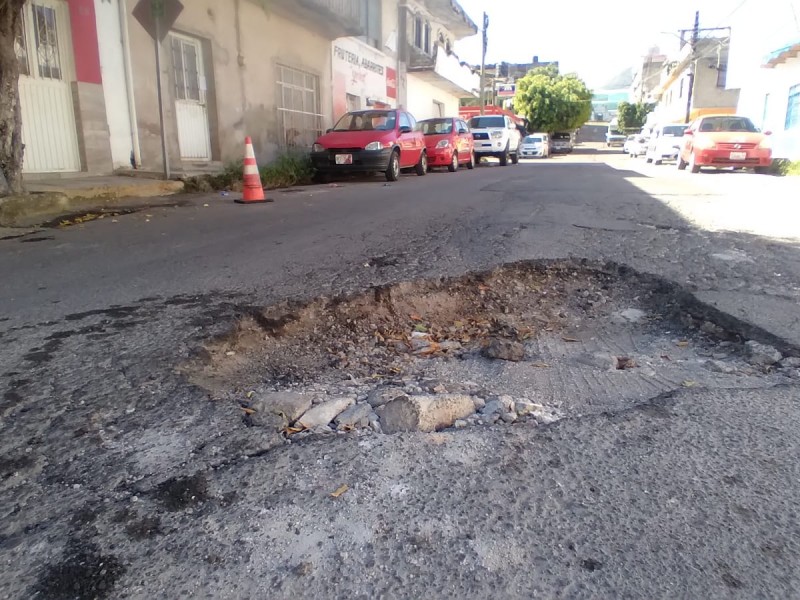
{"type": "Point", "coordinates": [497, 136]}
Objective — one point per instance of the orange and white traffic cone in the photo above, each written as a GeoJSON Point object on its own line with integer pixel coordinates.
{"type": "Point", "coordinates": [252, 190]}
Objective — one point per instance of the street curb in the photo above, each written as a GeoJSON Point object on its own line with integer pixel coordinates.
{"type": "Point", "coordinates": [27, 210]}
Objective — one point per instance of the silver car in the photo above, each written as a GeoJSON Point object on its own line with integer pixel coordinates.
{"type": "Point", "coordinates": [534, 146]}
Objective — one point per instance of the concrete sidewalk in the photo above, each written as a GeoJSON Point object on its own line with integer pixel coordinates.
{"type": "Point", "coordinates": [49, 199]}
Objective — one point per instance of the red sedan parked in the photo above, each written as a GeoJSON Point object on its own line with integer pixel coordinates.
{"type": "Point", "coordinates": [724, 141]}
{"type": "Point", "coordinates": [449, 143]}
{"type": "Point", "coordinates": [367, 141]}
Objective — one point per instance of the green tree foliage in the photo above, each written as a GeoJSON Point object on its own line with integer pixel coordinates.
{"type": "Point", "coordinates": [551, 101]}
{"type": "Point", "coordinates": [633, 116]}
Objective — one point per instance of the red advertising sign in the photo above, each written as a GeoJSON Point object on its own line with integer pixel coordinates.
{"type": "Point", "coordinates": [391, 83]}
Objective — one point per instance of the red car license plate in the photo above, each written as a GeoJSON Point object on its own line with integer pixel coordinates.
{"type": "Point", "coordinates": [738, 155]}
{"type": "Point", "coordinates": [344, 159]}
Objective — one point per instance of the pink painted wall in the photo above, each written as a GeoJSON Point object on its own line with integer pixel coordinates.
{"type": "Point", "coordinates": [84, 41]}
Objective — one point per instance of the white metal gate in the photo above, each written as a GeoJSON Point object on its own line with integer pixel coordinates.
{"type": "Point", "coordinates": [44, 51]}
{"type": "Point", "coordinates": [191, 110]}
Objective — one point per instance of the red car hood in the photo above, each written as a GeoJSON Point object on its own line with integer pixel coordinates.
{"type": "Point", "coordinates": [433, 139]}
{"type": "Point", "coordinates": [353, 139]}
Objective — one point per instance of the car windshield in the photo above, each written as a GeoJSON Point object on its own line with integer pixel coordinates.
{"type": "Point", "coordinates": [532, 139]}
{"type": "Point", "coordinates": [631, 138]}
{"type": "Point", "coordinates": [727, 124]}
{"type": "Point", "coordinates": [380, 120]}
{"type": "Point", "coordinates": [486, 122]}
{"type": "Point", "coordinates": [674, 130]}
{"type": "Point", "coordinates": [560, 136]}
{"type": "Point", "coordinates": [436, 126]}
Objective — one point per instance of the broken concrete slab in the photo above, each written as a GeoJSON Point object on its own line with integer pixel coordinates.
{"type": "Point", "coordinates": [325, 412]}
{"type": "Point", "coordinates": [290, 404]}
{"type": "Point", "coordinates": [355, 416]}
{"type": "Point", "coordinates": [424, 413]}
{"type": "Point", "coordinates": [761, 355]}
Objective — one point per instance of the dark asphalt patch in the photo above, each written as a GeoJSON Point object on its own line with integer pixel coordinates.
{"type": "Point", "coordinates": [179, 493]}
{"type": "Point", "coordinates": [84, 574]}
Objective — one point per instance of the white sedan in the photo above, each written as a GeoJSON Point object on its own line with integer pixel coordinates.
{"type": "Point", "coordinates": [635, 146]}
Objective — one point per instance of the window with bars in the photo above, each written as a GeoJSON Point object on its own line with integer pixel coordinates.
{"type": "Point", "coordinates": [299, 107]}
{"type": "Point", "coordinates": [422, 34]}
{"type": "Point", "coordinates": [793, 108]}
{"type": "Point", "coordinates": [45, 33]}
{"type": "Point", "coordinates": [186, 63]}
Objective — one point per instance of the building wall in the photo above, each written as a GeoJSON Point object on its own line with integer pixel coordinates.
{"type": "Point", "coordinates": [765, 100]}
{"type": "Point", "coordinates": [707, 91]}
{"type": "Point", "coordinates": [707, 97]}
{"type": "Point", "coordinates": [112, 68]}
{"type": "Point", "coordinates": [240, 46]}
{"type": "Point", "coordinates": [421, 97]}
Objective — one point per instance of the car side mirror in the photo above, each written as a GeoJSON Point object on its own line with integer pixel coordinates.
{"type": "Point", "coordinates": [688, 132]}
{"type": "Point", "coordinates": [405, 129]}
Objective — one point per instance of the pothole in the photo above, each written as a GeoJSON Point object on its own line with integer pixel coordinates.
{"type": "Point", "coordinates": [527, 342]}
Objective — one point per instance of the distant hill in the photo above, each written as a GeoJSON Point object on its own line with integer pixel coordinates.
{"type": "Point", "coordinates": [623, 80]}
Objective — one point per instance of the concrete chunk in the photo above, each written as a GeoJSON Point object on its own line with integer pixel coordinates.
{"type": "Point", "coordinates": [290, 404]}
{"type": "Point", "coordinates": [424, 413]}
{"type": "Point", "coordinates": [324, 413]}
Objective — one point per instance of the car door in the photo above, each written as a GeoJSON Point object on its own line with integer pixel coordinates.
{"type": "Point", "coordinates": [469, 142]}
{"type": "Point", "coordinates": [408, 139]}
{"type": "Point", "coordinates": [688, 140]}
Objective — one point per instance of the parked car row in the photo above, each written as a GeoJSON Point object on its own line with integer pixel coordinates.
{"type": "Point", "coordinates": [390, 141]}
{"type": "Point", "coordinates": [718, 141]}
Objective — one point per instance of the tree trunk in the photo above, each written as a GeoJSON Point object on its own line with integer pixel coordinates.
{"type": "Point", "coordinates": [11, 146]}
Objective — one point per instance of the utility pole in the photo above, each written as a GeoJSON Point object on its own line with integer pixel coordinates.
{"type": "Point", "coordinates": [483, 61]}
{"type": "Point", "coordinates": [692, 65]}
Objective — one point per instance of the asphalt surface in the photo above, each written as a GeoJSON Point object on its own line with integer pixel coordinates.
{"type": "Point", "coordinates": [692, 494]}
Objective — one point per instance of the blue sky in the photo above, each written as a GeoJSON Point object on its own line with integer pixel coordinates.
{"type": "Point", "coordinates": [599, 39]}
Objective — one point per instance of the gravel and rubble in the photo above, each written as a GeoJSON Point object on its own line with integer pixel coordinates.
{"type": "Point", "coordinates": [525, 343]}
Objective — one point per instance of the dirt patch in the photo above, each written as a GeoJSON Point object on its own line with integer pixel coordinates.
{"type": "Point", "coordinates": [379, 332]}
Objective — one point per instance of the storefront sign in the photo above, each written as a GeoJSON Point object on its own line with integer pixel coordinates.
{"type": "Point", "coordinates": [361, 77]}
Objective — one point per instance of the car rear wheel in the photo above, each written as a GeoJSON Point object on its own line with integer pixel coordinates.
{"type": "Point", "coordinates": [693, 166]}
{"type": "Point", "coordinates": [422, 166]}
{"type": "Point", "coordinates": [680, 163]}
{"type": "Point", "coordinates": [515, 158]}
{"type": "Point", "coordinates": [393, 170]}
{"type": "Point", "coordinates": [471, 163]}
{"type": "Point", "coordinates": [504, 158]}
{"type": "Point", "coordinates": [453, 166]}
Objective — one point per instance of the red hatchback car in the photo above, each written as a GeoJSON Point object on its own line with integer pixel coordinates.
{"type": "Point", "coordinates": [369, 141]}
{"type": "Point", "coordinates": [724, 141]}
{"type": "Point", "coordinates": [449, 143]}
